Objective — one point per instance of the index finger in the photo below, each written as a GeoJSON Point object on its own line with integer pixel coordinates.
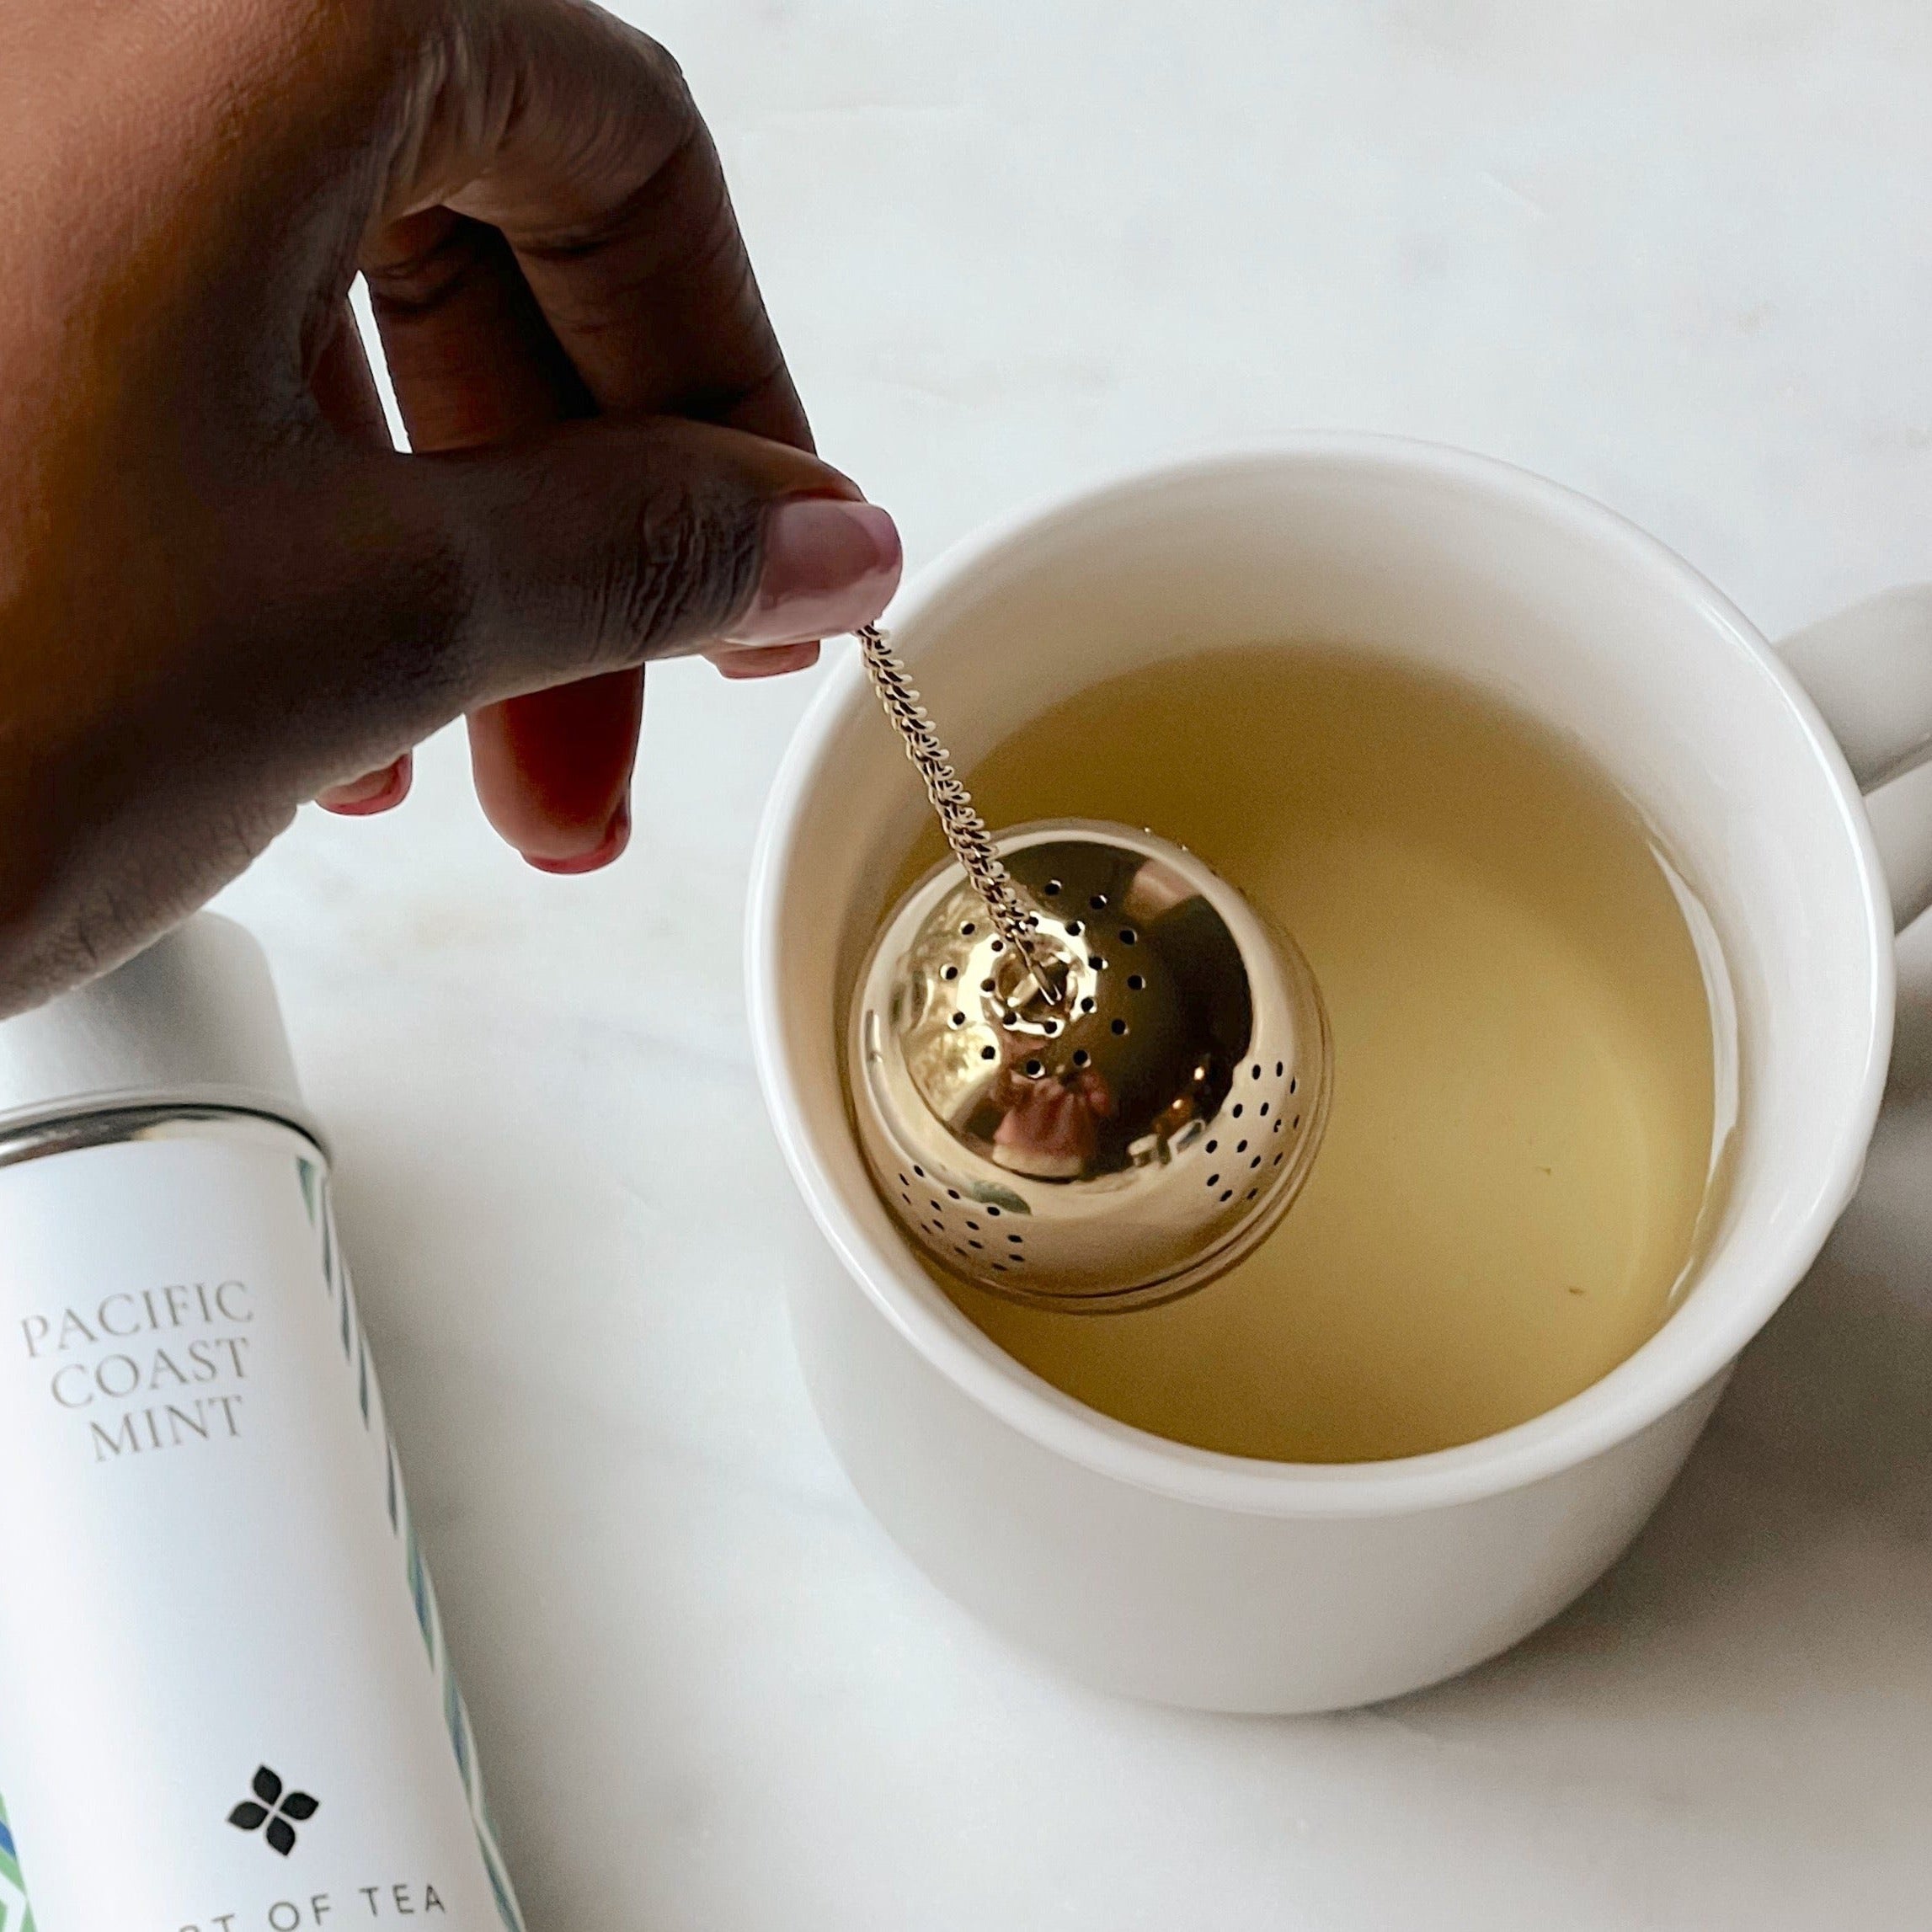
{"type": "Point", "coordinates": [606, 182]}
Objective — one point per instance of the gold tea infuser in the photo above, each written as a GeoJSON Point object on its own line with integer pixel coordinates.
{"type": "Point", "coordinates": [1085, 1074]}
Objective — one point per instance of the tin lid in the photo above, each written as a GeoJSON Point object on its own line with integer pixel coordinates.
{"type": "Point", "coordinates": [193, 1021]}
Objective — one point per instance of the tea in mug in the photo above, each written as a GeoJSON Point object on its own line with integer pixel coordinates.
{"type": "Point", "coordinates": [1521, 1146]}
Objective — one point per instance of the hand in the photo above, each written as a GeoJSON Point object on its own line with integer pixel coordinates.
{"type": "Point", "coordinates": [1051, 1127]}
{"type": "Point", "coordinates": [221, 592]}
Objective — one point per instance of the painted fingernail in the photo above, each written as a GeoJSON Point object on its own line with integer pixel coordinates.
{"type": "Point", "coordinates": [374, 792]}
{"type": "Point", "coordinates": [616, 836]}
{"type": "Point", "coordinates": [775, 660]}
{"type": "Point", "coordinates": [829, 565]}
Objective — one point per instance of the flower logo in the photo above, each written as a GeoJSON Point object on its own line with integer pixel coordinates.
{"type": "Point", "coordinates": [276, 1810]}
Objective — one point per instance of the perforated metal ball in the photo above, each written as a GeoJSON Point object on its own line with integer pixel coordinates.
{"type": "Point", "coordinates": [1117, 1125]}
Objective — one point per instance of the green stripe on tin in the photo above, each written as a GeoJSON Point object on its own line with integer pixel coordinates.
{"type": "Point", "coordinates": [486, 1816]}
{"type": "Point", "coordinates": [420, 1592]}
{"type": "Point", "coordinates": [17, 1911]}
{"type": "Point", "coordinates": [498, 1885]}
{"type": "Point", "coordinates": [422, 1589]}
{"type": "Point", "coordinates": [458, 1721]}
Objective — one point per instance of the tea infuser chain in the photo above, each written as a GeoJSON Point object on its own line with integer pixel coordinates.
{"type": "Point", "coordinates": [965, 830]}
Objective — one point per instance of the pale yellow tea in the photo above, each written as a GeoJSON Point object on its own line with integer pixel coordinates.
{"type": "Point", "coordinates": [1521, 1139]}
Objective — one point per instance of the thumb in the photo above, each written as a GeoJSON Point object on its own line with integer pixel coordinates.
{"type": "Point", "coordinates": [704, 551]}
{"type": "Point", "coordinates": [608, 543]}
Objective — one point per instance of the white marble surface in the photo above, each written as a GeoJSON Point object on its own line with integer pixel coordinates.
{"type": "Point", "coordinates": [1676, 254]}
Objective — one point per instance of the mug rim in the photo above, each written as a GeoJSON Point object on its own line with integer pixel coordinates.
{"type": "Point", "coordinates": [1642, 1388]}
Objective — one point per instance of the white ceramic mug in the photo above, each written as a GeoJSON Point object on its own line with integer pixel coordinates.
{"type": "Point", "coordinates": [1197, 1578]}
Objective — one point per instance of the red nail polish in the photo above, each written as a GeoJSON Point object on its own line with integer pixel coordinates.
{"type": "Point", "coordinates": [375, 791]}
{"type": "Point", "coordinates": [616, 837]}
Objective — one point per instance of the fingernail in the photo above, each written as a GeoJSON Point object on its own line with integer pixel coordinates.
{"type": "Point", "coordinates": [616, 836]}
{"type": "Point", "coordinates": [829, 566]}
{"type": "Point", "coordinates": [374, 792]}
{"type": "Point", "coordinates": [775, 660]}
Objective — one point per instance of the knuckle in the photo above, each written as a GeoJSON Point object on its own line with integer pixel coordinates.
{"type": "Point", "coordinates": [646, 69]}
{"type": "Point", "coordinates": [425, 262]}
{"type": "Point", "coordinates": [658, 68]}
{"type": "Point", "coordinates": [690, 565]}
{"type": "Point", "coordinates": [608, 104]}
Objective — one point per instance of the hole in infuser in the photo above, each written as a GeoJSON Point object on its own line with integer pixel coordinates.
{"type": "Point", "coordinates": [1237, 1110]}
{"type": "Point", "coordinates": [1264, 1110]}
{"type": "Point", "coordinates": [1279, 1069]}
{"type": "Point", "coordinates": [1096, 963]}
{"type": "Point", "coordinates": [1074, 929]}
{"type": "Point", "coordinates": [1086, 1004]}
{"type": "Point", "coordinates": [1136, 982]}
{"type": "Point", "coordinates": [1081, 1058]}
{"type": "Point", "coordinates": [1211, 1146]}
{"type": "Point", "coordinates": [986, 985]}
{"type": "Point", "coordinates": [1227, 1193]}
{"type": "Point", "coordinates": [1117, 1027]}
{"type": "Point", "coordinates": [994, 1212]}
{"type": "Point", "coordinates": [999, 946]}
{"type": "Point", "coordinates": [1254, 1071]}
{"type": "Point", "coordinates": [958, 1019]}
{"type": "Point", "coordinates": [921, 1171]}
{"type": "Point", "coordinates": [967, 930]}
{"type": "Point", "coordinates": [1097, 903]}
{"type": "Point", "coordinates": [1214, 1180]}
{"type": "Point", "coordinates": [948, 972]}
{"type": "Point", "coordinates": [989, 1052]}
{"type": "Point", "coordinates": [1052, 889]}
{"type": "Point", "coordinates": [1015, 1239]}
{"type": "Point", "coordinates": [1292, 1085]}
{"type": "Point", "coordinates": [1129, 936]}
{"type": "Point", "coordinates": [1240, 1147]}
{"type": "Point", "coordinates": [1034, 1070]}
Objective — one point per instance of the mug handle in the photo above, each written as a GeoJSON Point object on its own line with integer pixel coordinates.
{"type": "Point", "coordinates": [1869, 670]}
